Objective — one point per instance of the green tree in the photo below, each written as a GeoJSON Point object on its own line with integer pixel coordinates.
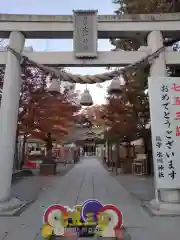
{"type": "Point", "coordinates": [144, 6]}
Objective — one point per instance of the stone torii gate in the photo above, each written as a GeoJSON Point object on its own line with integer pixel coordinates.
{"type": "Point", "coordinates": [85, 27]}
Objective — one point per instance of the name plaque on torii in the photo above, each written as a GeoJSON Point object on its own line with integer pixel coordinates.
{"type": "Point", "coordinates": [85, 35]}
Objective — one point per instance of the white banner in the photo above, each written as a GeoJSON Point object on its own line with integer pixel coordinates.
{"type": "Point", "coordinates": [85, 34]}
{"type": "Point", "coordinates": [164, 94]}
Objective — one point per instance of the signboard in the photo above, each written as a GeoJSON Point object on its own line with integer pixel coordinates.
{"type": "Point", "coordinates": [90, 219]}
{"type": "Point", "coordinates": [85, 34]}
{"type": "Point", "coordinates": [164, 93]}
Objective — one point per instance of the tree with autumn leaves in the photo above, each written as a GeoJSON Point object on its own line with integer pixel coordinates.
{"type": "Point", "coordinates": [120, 120]}
{"type": "Point", "coordinates": [41, 113]}
{"type": "Point", "coordinates": [95, 115]}
{"type": "Point", "coordinates": [128, 114]}
{"type": "Point", "coordinates": [48, 113]}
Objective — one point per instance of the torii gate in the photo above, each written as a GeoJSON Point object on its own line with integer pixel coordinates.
{"type": "Point", "coordinates": [86, 27]}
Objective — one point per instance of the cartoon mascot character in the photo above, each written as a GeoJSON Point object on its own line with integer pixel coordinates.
{"type": "Point", "coordinates": [53, 221]}
{"type": "Point", "coordinates": [109, 221]}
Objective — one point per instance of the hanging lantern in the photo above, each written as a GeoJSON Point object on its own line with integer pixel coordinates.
{"type": "Point", "coordinates": [55, 86]}
{"type": "Point", "coordinates": [86, 99]}
{"type": "Point", "coordinates": [116, 86]}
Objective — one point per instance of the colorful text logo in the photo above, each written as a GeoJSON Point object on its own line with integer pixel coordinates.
{"type": "Point", "coordinates": [86, 220]}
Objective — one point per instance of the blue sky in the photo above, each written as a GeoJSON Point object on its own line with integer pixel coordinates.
{"type": "Point", "coordinates": [61, 7]}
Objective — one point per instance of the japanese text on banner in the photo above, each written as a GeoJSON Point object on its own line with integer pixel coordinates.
{"type": "Point", "coordinates": [169, 141]}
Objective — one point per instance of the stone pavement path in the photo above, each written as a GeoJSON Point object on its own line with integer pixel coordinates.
{"type": "Point", "coordinates": [142, 187]}
{"type": "Point", "coordinates": [28, 188]}
{"type": "Point", "coordinates": [88, 179]}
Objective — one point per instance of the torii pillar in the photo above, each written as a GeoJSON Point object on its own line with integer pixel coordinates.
{"type": "Point", "coordinates": [8, 121]}
{"type": "Point", "coordinates": [168, 199]}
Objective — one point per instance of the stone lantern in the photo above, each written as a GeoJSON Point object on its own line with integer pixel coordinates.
{"type": "Point", "coordinates": [86, 98]}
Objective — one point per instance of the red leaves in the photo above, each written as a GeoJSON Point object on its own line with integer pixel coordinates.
{"type": "Point", "coordinates": [120, 117]}
{"type": "Point", "coordinates": [42, 112]}
{"type": "Point", "coordinates": [49, 115]}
